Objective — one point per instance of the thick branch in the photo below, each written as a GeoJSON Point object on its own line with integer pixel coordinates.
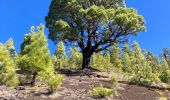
{"type": "Point", "coordinates": [105, 47]}
{"type": "Point", "coordinates": [81, 45]}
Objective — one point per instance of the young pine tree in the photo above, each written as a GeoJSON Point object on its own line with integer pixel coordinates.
{"type": "Point", "coordinates": [75, 60]}
{"type": "Point", "coordinates": [61, 56]}
{"type": "Point", "coordinates": [127, 59]}
{"type": "Point", "coordinates": [165, 71]}
{"type": "Point", "coordinates": [60, 52]}
{"type": "Point", "coordinates": [51, 79]}
{"type": "Point", "coordinates": [10, 47]}
{"type": "Point", "coordinates": [115, 56]}
{"type": "Point", "coordinates": [34, 55]}
{"type": "Point", "coordinates": [139, 59]}
{"type": "Point", "coordinates": [127, 65]}
{"type": "Point", "coordinates": [7, 68]}
{"type": "Point", "coordinates": [164, 64]}
{"type": "Point", "coordinates": [102, 62]}
{"type": "Point", "coordinates": [153, 62]}
{"type": "Point", "coordinates": [107, 62]}
{"type": "Point", "coordinates": [127, 50]}
{"type": "Point", "coordinates": [142, 71]}
{"type": "Point", "coordinates": [97, 61]}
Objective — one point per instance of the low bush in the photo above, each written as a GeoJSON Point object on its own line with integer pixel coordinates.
{"type": "Point", "coordinates": [138, 80]}
{"type": "Point", "coordinates": [165, 76]}
{"type": "Point", "coordinates": [52, 80]}
{"type": "Point", "coordinates": [114, 81]}
{"type": "Point", "coordinates": [101, 92]}
{"type": "Point", "coordinates": [144, 78]}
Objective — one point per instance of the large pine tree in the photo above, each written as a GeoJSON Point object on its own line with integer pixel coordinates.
{"type": "Point", "coordinates": [93, 24]}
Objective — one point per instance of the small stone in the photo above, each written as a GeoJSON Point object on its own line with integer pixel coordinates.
{"type": "Point", "coordinates": [21, 88]}
{"type": "Point", "coordinates": [98, 76]}
{"type": "Point", "coordinates": [121, 88]}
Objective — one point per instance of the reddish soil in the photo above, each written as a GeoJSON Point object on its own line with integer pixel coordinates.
{"type": "Point", "coordinates": [76, 87]}
{"type": "Point", "coordinates": [77, 84]}
{"type": "Point", "coordinates": [134, 92]}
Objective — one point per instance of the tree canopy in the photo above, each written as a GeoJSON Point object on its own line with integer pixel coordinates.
{"type": "Point", "coordinates": [94, 24]}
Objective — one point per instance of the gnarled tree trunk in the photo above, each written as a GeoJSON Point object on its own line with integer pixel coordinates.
{"type": "Point", "coordinates": [86, 61]}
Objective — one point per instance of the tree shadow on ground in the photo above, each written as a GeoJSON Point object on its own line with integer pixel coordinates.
{"type": "Point", "coordinates": [84, 72]}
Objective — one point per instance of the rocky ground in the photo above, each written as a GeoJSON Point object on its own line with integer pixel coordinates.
{"type": "Point", "coordinates": [76, 86]}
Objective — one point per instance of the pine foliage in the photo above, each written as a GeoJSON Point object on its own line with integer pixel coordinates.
{"type": "Point", "coordinates": [35, 58]}
{"type": "Point", "coordinates": [8, 74]}
{"type": "Point", "coordinates": [127, 60]}
{"type": "Point", "coordinates": [34, 55]}
{"type": "Point", "coordinates": [165, 71]}
{"type": "Point", "coordinates": [10, 47]}
{"type": "Point", "coordinates": [115, 56]}
{"type": "Point", "coordinates": [101, 62]}
{"type": "Point", "coordinates": [75, 60]}
{"type": "Point", "coordinates": [142, 70]}
{"type": "Point", "coordinates": [61, 58]}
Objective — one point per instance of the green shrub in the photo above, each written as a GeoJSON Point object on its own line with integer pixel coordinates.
{"type": "Point", "coordinates": [114, 81]}
{"type": "Point", "coordinates": [165, 76]}
{"type": "Point", "coordinates": [101, 92]}
{"type": "Point", "coordinates": [139, 80]}
{"type": "Point", "coordinates": [52, 80]}
{"type": "Point", "coordinates": [163, 98]}
{"type": "Point", "coordinates": [144, 80]}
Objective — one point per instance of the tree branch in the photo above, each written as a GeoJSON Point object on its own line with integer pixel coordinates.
{"type": "Point", "coordinates": [100, 49]}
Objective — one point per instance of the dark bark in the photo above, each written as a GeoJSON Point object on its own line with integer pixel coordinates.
{"type": "Point", "coordinates": [86, 61]}
{"type": "Point", "coordinates": [33, 78]}
{"type": "Point", "coordinates": [51, 89]}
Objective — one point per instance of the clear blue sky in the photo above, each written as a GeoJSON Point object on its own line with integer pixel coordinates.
{"type": "Point", "coordinates": [17, 16]}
